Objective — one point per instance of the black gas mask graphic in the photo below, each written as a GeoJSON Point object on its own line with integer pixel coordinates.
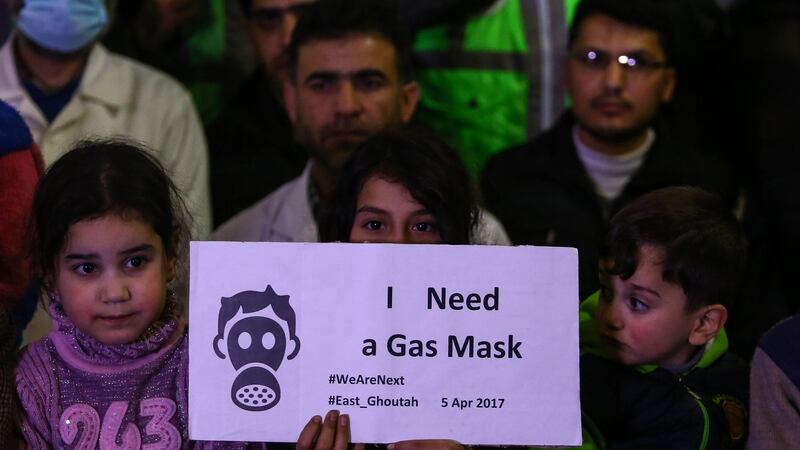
{"type": "Point", "coordinates": [256, 345]}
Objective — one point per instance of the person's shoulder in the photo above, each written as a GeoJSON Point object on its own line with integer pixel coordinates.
{"type": "Point", "coordinates": [782, 345]}
{"type": "Point", "coordinates": [253, 224]}
{"type": "Point", "coordinates": [34, 362]}
{"type": "Point", "coordinates": [35, 350]}
{"type": "Point", "coordinates": [728, 374]}
{"type": "Point", "coordinates": [489, 231]}
{"type": "Point", "coordinates": [683, 154]}
{"type": "Point", "coordinates": [13, 130]}
{"type": "Point", "coordinates": [786, 334]}
{"type": "Point", "coordinates": [693, 160]}
{"type": "Point", "coordinates": [146, 78]}
{"type": "Point", "coordinates": [677, 164]}
{"type": "Point", "coordinates": [538, 147]}
{"type": "Point", "coordinates": [532, 153]}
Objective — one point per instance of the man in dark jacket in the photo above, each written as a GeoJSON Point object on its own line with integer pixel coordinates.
{"type": "Point", "coordinates": [561, 188]}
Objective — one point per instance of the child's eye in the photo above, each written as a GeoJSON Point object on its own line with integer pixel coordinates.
{"type": "Point", "coordinates": [85, 268]}
{"type": "Point", "coordinates": [636, 304]}
{"type": "Point", "coordinates": [424, 227]}
{"type": "Point", "coordinates": [135, 262]}
{"type": "Point", "coordinates": [373, 225]}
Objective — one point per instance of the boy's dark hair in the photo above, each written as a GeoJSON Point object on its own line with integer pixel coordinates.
{"type": "Point", "coordinates": [431, 171]}
{"type": "Point", "coordinates": [98, 177]}
{"type": "Point", "coordinates": [704, 246]}
{"type": "Point", "coordinates": [651, 14]}
{"type": "Point", "coordinates": [335, 19]}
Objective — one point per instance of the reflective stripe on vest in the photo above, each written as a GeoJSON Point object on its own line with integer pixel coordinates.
{"type": "Point", "coordinates": [499, 41]}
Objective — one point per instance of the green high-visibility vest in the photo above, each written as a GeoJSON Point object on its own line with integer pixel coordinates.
{"type": "Point", "coordinates": [492, 82]}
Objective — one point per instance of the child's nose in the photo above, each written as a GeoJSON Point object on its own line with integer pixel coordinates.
{"type": "Point", "coordinates": [612, 316]}
{"type": "Point", "coordinates": [116, 290]}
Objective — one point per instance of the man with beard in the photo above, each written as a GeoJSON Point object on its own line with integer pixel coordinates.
{"type": "Point", "coordinates": [348, 79]}
{"type": "Point", "coordinates": [251, 146]}
{"type": "Point", "coordinates": [561, 188]}
{"type": "Point", "coordinates": [67, 87]}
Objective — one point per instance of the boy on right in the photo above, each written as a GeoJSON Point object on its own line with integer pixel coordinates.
{"type": "Point", "coordinates": [655, 372]}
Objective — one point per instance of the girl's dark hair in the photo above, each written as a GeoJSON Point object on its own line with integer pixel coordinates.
{"type": "Point", "coordinates": [431, 171]}
{"type": "Point", "coordinates": [704, 246]}
{"type": "Point", "coordinates": [99, 177]}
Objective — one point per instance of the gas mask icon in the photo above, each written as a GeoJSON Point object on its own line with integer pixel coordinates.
{"type": "Point", "coordinates": [252, 331]}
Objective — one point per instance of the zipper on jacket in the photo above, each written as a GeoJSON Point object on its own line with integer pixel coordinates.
{"type": "Point", "coordinates": [704, 441]}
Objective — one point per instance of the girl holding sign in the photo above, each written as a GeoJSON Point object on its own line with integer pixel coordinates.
{"type": "Point", "coordinates": [402, 187]}
{"type": "Point", "coordinates": [107, 227]}
{"type": "Point", "coordinates": [405, 188]}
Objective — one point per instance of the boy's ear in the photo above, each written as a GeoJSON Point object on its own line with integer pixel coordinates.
{"type": "Point", "coordinates": [709, 320]}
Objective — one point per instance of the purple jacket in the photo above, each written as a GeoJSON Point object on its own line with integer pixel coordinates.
{"type": "Point", "coordinates": [77, 393]}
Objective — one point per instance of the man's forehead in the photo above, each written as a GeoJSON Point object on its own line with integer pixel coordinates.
{"type": "Point", "coordinates": [348, 54]}
{"type": "Point", "coordinates": [264, 4]}
{"type": "Point", "coordinates": [604, 32]}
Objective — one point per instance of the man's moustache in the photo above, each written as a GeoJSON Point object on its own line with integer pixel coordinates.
{"type": "Point", "coordinates": [597, 101]}
{"type": "Point", "coordinates": [333, 131]}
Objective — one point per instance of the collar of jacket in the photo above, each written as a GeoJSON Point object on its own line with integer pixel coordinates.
{"type": "Point", "coordinates": [102, 81]}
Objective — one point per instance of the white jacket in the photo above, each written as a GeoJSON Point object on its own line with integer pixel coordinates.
{"type": "Point", "coordinates": [121, 97]}
{"type": "Point", "coordinates": [285, 216]}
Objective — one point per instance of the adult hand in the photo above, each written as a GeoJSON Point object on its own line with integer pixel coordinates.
{"type": "Point", "coordinates": [331, 434]}
{"type": "Point", "coordinates": [427, 444]}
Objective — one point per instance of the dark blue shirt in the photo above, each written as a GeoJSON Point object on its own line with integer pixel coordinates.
{"type": "Point", "coordinates": [51, 103]}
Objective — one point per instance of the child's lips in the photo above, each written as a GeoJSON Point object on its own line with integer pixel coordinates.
{"type": "Point", "coordinates": [612, 342]}
{"type": "Point", "coordinates": [116, 319]}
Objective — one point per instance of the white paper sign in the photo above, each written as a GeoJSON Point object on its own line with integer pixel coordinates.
{"type": "Point", "coordinates": [473, 343]}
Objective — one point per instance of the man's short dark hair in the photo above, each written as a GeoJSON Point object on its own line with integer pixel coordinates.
{"type": "Point", "coordinates": [335, 19]}
{"type": "Point", "coordinates": [654, 15]}
{"type": "Point", "coordinates": [704, 246]}
{"type": "Point", "coordinates": [246, 6]}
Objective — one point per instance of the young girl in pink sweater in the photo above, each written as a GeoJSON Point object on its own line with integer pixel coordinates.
{"type": "Point", "coordinates": [108, 227]}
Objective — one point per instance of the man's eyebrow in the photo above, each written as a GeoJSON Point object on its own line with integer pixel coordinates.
{"type": "Point", "coordinates": [330, 75]}
{"type": "Point", "coordinates": [269, 10]}
{"type": "Point", "coordinates": [641, 52]}
{"type": "Point", "coordinates": [366, 73]}
{"type": "Point", "coordinates": [326, 75]}
{"type": "Point", "coordinates": [630, 52]}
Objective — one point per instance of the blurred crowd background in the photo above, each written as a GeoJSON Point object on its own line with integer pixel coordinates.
{"type": "Point", "coordinates": [490, 73]}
